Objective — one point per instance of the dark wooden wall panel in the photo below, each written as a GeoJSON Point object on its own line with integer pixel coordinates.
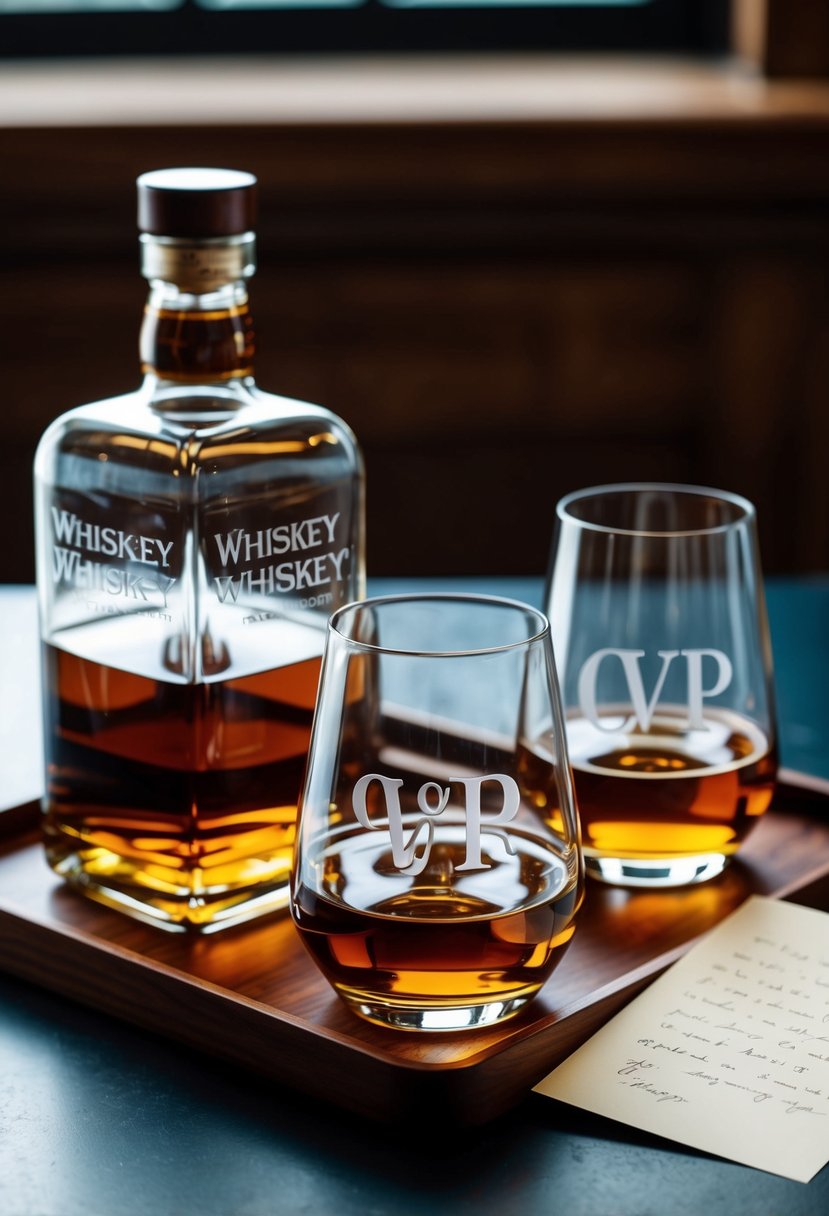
{"type": "Point", "coordinates": [503, 312]}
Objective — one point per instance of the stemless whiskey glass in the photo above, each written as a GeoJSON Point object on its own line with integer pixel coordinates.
{"type": "Point", "coordinates": [659, 626]}
{"type": "Point", "coordinates": [437, 872]}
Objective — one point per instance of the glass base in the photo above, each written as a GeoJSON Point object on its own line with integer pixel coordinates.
{"type": "Point", "coordinates": [656, 871]}
{"type": "Point", "coordinates": [205, 914]}
{"type": "Point", "coordinates": [467, 1017]}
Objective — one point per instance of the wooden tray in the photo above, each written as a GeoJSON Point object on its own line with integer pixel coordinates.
{"type": "Point", "coordinates": [253, 997]}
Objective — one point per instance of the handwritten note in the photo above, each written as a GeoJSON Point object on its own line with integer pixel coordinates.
{"type": "Point", "coordinates": [728, 1051]}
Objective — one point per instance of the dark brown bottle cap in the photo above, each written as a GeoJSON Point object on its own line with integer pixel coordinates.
{"type": "Point", "coordinates": [196, 203]}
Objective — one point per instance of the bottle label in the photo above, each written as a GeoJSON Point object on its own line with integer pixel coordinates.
{"type": "Point", "coordinates": [305, 563]}
{"type": "Point", "coordinates": [195, 268]}
{"type": "Point", "coordinates": [305, 559]}
{"type": "Point", "coordinates": [139, 573]}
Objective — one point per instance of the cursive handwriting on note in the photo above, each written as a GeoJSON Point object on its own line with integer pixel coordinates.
{"type": "Point", "coordinates": [729, 1050]}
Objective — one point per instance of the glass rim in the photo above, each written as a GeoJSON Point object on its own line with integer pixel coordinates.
{"type": "Point", "coordinates": [459, 597]}
{"type": "Point", "coordinates": [745, 506]}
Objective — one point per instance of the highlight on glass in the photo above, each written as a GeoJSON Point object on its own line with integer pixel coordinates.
{"type": "Point", "coordinates": [437, 873]}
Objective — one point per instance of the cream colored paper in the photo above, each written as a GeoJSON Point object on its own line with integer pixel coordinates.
{"type": "Point", "coordinates": [728, 1051]}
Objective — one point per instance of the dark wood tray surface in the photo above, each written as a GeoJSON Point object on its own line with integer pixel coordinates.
{"type": "Point", "coordinates": [252, 996]}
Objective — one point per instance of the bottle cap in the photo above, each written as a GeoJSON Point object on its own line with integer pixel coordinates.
{"type": "Point", "coordinates": [196, 203]}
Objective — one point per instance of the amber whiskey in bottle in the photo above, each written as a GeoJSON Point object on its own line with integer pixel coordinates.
{"type": "Point", "coordinates": [193, 537]}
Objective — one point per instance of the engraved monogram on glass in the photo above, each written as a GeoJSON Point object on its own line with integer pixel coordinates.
{"type": "Point", "coordinates": [411, 856]}
{"type": "Point", "coordinates": [644, 704]}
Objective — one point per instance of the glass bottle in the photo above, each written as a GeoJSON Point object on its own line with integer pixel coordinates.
{"type": "Point", "coordinates": [193, 537]}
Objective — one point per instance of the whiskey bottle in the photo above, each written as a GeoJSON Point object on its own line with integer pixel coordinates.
{"type": "Point", "coordinates": [193, 537]}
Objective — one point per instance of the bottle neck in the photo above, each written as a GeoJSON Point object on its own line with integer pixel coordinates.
{"type": "Point", "coordinates": [197, 326]}
{"type": "Point", "coordinates": [197, 339]}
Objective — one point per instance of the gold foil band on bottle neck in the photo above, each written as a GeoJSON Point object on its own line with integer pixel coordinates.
{"type": "Point", "coordinates": [198, 267]}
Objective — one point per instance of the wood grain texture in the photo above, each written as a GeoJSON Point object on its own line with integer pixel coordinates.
{"type": "Point", "coordinates": [252, 996]}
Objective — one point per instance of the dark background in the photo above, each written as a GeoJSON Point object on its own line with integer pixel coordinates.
{"type": "Point", "coordinates": [696, 26]}
{"type": "Point", "coordinates": [504, 309]}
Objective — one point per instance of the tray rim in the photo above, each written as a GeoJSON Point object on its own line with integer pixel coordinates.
{"type": "Point", "coordinates": [801, 783]}
{"type": "Point", "coordinates": [516, 1041]}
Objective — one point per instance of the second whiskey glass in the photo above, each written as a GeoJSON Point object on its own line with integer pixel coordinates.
{"type": "Point", "coordinates": [659, 625]}
{"type": "Point", "coordinates": [437, 873]}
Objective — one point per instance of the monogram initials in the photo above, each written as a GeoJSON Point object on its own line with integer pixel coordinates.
{"type": "Point", "coordinates": [432, 801]}
{"type": "Point", "coordinates": [644, 708]}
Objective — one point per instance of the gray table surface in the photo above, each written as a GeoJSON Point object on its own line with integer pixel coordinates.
{"type": "Point", "coordinates": [98, 1119]}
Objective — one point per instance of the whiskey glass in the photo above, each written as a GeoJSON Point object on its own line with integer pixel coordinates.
{"type": "Point", "coordinates": [437, 872]}
{"type": "Point", "coordinates": [659, 626]}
